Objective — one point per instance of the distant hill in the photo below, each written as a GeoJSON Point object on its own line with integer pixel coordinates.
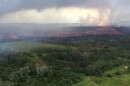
{"type": "Point", "coordinates": [123, 29]}
{"type": "Point", "coordinates": [36, 32]}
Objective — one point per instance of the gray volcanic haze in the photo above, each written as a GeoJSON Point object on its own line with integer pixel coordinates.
{"type": "Point", "coordinates": [88, 12]}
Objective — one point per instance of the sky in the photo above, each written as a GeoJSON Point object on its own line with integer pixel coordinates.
{"type": "Point", "coordinates": [88, 12]}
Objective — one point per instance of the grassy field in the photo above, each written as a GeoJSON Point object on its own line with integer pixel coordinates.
{"type": "Point", "coordinates": [117, 77]}
{"type": "Point", "coordinates": [105, 81]}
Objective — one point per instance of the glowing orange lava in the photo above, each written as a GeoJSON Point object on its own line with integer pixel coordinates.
{"type": "Point", "coordinates": [103, 23]}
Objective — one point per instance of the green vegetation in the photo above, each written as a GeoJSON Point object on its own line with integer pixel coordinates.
{"type": "Point", "coordinates": [122, 80]}
{"type": "Point", "coordinates": [90, 63]}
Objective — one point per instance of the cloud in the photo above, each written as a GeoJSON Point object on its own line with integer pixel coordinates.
{"type": "Point", "coordinates": [110, 11]}
{"type": "Point", "coordinates": [51, 15]}
{"type": "Point", "coordinates": [15, 5]}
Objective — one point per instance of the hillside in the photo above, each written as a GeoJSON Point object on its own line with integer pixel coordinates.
{"type": "Point", "coordinates": [42, 32]}
{"type": "Point", "coordinates": [90, 63]}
